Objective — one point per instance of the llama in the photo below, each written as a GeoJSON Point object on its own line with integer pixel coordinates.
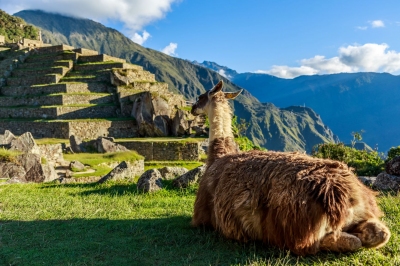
{"type": "Point", "coordinates": [286, 199]}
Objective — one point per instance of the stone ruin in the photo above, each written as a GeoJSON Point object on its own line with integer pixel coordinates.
{"type": "Point", "coordinates": [59, 91]}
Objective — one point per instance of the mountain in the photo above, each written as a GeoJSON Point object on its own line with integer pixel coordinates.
{"type": "Point", "coordinates": [15, 28]}
{"type": "Point", "coordinates": [271, 127]}
{"type": "Point", "coordinates": [347, 102]}
{"type": "Point", "coordinates": [222, 70]}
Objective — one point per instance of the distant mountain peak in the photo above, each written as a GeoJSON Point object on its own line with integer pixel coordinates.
{"type": "Point", "coordinates": [222, 70]}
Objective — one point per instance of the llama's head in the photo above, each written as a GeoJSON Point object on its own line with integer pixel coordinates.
{"type": "Point", "coordinates": [204, 101]}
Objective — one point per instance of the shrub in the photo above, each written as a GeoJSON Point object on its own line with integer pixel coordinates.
{"type": "Point", "coordinates": [393, 152]}
{"type": "Point", "coordinates": [364, 163]}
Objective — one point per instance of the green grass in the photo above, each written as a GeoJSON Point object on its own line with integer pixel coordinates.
{"type": "Point", "coordinates": [190, 140]}
{"type": "Point", "coordinates": [160, 164]}
{"type": "Point", "coordinates": [96, 161]}
{"type": "Point", "coordinates": [7, 155]}
{"type": "Point", "coordinates": [51, 141]}
{"type": "Point", "coordinates": [114, 224]}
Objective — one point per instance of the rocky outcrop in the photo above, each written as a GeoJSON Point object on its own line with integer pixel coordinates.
{"type": "Point", "coordinates": [76, 166]}
{"type": "Point", "coordinates": [104, 145]}
{"type": "Point", "coordinates": [150, 181]}
{"type": "Point", "coordinates": [123, 171]}
{"type": "Point", "coordinates": [191, 177]}
{"type": "Point", "coordinates": [180, 123]}
{"type": "Point", "coordinates": [393, 166]}
{"type": "Point", "coordinates": [169, 173]}
{"type": "Point", "coordinates": [25, 143]}
{"type": "Point", "coordinates": [27, 166]}
{"type": "Point", "coordinates": [385, 181]}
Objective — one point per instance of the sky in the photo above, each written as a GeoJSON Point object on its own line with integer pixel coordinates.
{"type": "Point", "coordinates": [285, 38]}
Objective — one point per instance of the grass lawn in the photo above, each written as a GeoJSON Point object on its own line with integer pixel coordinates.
{"type": "Point", "coordinates": [114, 224]}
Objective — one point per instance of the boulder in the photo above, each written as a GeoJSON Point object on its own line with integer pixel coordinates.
{"type": "Point", "coordinates": [10, 170]}
{"type": "Point", "coordinates": [169, 173]}
{"type": "Point", "coordinates": [75, 143]}
{"type": "Point", "coordinates": [104, 145]}
{"type": "Point", "coordinates": [180, 123]}
{"type": "Point", "coordinates": [393, 166]}
{"type": "Point", "coordinates": [49, 172]}
{"type": "Point", "coordinates": [150, 181]}
{"type": "Point", "coordinates": [191, 177]}
{"type": "Point", "coordinates": [32, 165]}
{"type": "Point", "coordinates": [369, 181]}
{"type": "Point", "coordinates": [25, 143]}
{"type": "Point", "coordinates": [124, 170]}
{"type": "Point", "coordinates": [385, 181]}
{"type": "Point", "coordinates": [77, 166]}
{"type": "Point", "coordinates": [7, 138]}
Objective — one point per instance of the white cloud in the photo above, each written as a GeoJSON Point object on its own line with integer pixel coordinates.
{"type": "Point", "coordinates": [170, 49]}
{"type": "Point", "coordinates": [370, 57]}
{"type": "Point", "coordinates": [140, 39]}
{"type": "Point", "coordinates": [134, 14]}
{"type": "Point", "coordinates": [377, 24]}
{"type": "Point", "coordinates": [362, 28]}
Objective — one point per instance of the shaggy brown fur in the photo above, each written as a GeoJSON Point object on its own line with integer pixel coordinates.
{"type": "Point", "coordinates": [289, 200]}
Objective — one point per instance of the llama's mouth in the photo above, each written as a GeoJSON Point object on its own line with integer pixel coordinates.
{"type": "Point", "coordinates": [193, 111]}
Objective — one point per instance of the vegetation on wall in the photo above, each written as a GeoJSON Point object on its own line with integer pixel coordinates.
{"type": "Point", "coordinates": [15, 28]}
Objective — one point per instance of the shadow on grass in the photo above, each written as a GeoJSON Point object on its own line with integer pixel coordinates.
{"type": "Point", "coordinates": [117, 188]}
{"type": "Point", "coordinates": [165, 241]}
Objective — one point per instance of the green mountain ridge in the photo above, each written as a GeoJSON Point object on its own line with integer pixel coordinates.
{"type": "Point", "coordinates": [271, 127]}
{"type": "Point", "coordinates": [14, 28]}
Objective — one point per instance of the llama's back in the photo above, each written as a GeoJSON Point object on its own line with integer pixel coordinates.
{"type": "Point", "coordinates": [278, 197]}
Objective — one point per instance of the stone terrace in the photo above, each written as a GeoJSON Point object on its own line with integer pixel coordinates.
{"type": "Point", "coordinates": [59, 89]}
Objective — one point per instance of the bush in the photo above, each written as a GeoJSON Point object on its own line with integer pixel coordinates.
{"type": "Point", "coordinates": [245, 144]}
{"type": "Point", "coordinates": [393, 152]}
{"type": "Point", "coordinates": [365, 163]}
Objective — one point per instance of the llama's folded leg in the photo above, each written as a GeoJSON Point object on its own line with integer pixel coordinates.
{"type": "Point", "coordinates": [343, 243]}
{"type": "Point", "coordinates": [372, 233]}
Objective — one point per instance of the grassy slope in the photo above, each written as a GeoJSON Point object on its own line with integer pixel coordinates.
{"type": "Point", "coordinates": [11, 29]}
{"type": "Point", "coordinates": [114, 224]}
{"type": "Point", "coordinates": [181, 75]}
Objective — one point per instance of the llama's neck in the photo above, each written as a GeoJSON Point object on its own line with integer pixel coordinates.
{"type": "Point", "coordinates": [221, 138]}
{"type": "Point", "coordinates": [220, 118]}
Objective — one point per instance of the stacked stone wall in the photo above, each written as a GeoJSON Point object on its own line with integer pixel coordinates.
{"type": "Point", "coordinates": [57, 130]}
{"type": "Point", "coordinates": [92, 130]}
{"type": "Point", "coordinates": [52, 153]}
{"type": "Point", "coordinates": [165, 150]}
{"type": "Point", "coordinates": [54, 49]}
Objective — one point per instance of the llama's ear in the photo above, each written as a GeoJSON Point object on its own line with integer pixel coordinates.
{"type": "Point", "coordinates": [217, 88]}
{"type": "Point", "coordinates": [232, 95]}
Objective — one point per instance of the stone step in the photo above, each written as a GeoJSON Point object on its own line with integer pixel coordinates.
{"type": "Point", "coordinates": [106, 65]}
{"type": "Point", "coordinates": [132, 75]}
{"type": "Point", "coordinates": [145, 86]}
{"type": "Point", "coordinates": [58, 99]}
{"type": "Point", "coordinates": [84, 51]}
{"type": "Point", "coordinates": [43, 64]}
{"type": "Point", "coordinates": [86, 79]}
{"type": "Point", "coordinates": [60, 112]}
{"type": "Point", "coordinates": [32, 72]}
{"type": "Point", "coordinates": [99, 58]}
{"type": "Point", "coordinates": [57, 88]}
{"type": "Point", "coordinates": [53, 57]}
{"type": "Point", "coordinates": [53, 49]}
{"type": "Point", "coordinates": [27, 81]}
{"type": "Point", "coordinates": [82, 128]}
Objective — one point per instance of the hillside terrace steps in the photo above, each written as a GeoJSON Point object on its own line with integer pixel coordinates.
{"type": "Point", "coordinates": [57, 99]}
{"type": "Point", "coordinates": [46, 64]}
{"type": "Point", "coordinates": [60, 112]}
{"type": "Point", "coordinates": [78, 99]}
{"type": "Point", "coordinates": [75, 87]}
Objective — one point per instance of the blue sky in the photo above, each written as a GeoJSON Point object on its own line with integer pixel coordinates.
{"type": "Point", "coordinates": [285, 38]}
